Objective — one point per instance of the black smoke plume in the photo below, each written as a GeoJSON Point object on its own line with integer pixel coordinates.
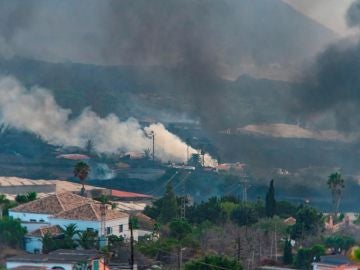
{"type": "Point", "coordinates": [332, 85]}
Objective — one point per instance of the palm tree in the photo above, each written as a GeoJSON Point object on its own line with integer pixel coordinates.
{"type": "Point", "coordinates": [69, 232]}
{"type": "Point", "coordinates": [81, 171]}
{"type": "Point", "coordinates": [336, 185]}
{"type": "Point", "coordinates": [87, 239]}
{"type": "Point", "coordinates": [3, 202]}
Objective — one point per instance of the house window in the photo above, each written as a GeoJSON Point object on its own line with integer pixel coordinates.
{"type": "Point", "coordinates": [108, 230]}
{"type": "Point", "coordinates": [121, 228]}
{"type": "Point", "coordinates": [32, 220]}
{"type": "Point", "coordinates": [90, 229]}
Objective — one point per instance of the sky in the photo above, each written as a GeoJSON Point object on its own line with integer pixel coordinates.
{"type": "Point", "coordinates": [330, 13]}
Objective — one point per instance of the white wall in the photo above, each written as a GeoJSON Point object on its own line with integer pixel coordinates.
{"type": "Point", "coordinates": [32, 244]}
{"type": "Point", "coordinates": [82, 225]}
{"type": "Point", "coordinates": [29, 216]}
{"type": "Point", "coordinates": [10, 265]}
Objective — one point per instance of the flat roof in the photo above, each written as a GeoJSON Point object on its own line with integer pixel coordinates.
{"type": "Point", "coordinates": [17, 181]}
{"type": "Point", "coordinates": [58, 256]}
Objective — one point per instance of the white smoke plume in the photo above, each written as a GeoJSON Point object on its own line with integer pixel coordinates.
{"type": "Point", "coordinates": [35, 110]}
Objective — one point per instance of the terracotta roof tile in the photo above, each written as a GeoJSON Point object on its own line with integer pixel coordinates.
{"type": "Point", "coordinates": [90, 211]}
{"type": "Point", "coordinates": [53, 230]}
{"type": "Point", "coordinates": [53, 204]}
{"type": "Point", "coordinates": [126, 194]}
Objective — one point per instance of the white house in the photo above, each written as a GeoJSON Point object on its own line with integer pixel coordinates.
{"type": "Point", "coordinates": [33, 240]}
{"type": "Point", "coordinates": [35, 214]}
{"type": "Point", "coordinates": [67, 208]}
{"type": "Point", "coordinates": [90, 216]}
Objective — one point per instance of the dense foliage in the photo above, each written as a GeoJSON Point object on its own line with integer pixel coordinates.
{"type": "Point", "coordinates": [11, 232]}
{"type": "Point", "coordinates": [213, 263]}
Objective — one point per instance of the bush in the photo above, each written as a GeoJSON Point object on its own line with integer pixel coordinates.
{"type": "Point", "coordinates": [212, 262]}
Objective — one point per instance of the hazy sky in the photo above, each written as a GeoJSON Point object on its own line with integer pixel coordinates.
{"type": "Point", "coordinates": [330, 13]}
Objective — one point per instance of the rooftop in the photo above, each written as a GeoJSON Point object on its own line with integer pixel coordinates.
{"type": "Point", "coordinates": [28, 267]}
{"type": "Point", "coordinates": [334, 260]}
{"type": "Point", "coordinates": [90, 211]}
{"type": "Point", "coordinates": [126, 194]}
{"type": "Point", "coordinates": [53, 230]}
{"type": "Point", "coordinates": [17, 181]}
{"type": "Point", "coordinates": [52, 204]}
{"type": "Point", "coordinates": [58, 256]}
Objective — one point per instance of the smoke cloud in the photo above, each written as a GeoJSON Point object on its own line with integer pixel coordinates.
{"type": "Point", "coordinates": [36, 111]}
{"type": "Point", "coordinates": [332, 84]}
{"type": "Point", "coordinates": [353, 14]}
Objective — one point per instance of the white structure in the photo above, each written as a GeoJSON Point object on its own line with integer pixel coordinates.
{"type": "Point", "coordinates": [90, 217]}
{"type": "Point", "coordinates": [35, 214]}
{"type": "Point", "coordinates": [63, 209]}
{"type": "Point", "coordinates": [33, 240]}
{"type": "Point", "coordinates": [60, 259]}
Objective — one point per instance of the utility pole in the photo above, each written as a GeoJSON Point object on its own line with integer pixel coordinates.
{"type": "Point", "coordinates": [131, 245]}
{"type": "Point", "coordinates": [245, 186]}
{"type": "Point", "coordinates": [103, 218]}
{"type": "Point", "coordinates": [184, 198]}
{"type": "Point", "coordinates": [153, 144]}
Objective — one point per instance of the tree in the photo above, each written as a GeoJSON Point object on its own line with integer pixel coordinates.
{"type": "Point", "coordinates": [3, 202]}
{"type": "Point", "coordinates": [288, 257]}
{"type": "Point", "coordinates": [336, 185]}
{"type": "Point", "coordinates": [11, 232]}
{"type": "Point", "coordinates": [213, 262]}
{"type": "Point", "coordinates": [210, 210]}
{"type": "Point", "coordinates": [31, 196]}
{"type": "Point", "coordinates": [69, 232]}
{"type": "Point", "coordinates": [49, 243]}
{"type": "Point", "coordinates": [308, 220]}
{"type": "Point", "coordinates": [87, 239]}
{"type": "Point", "coordinates": [317, 251]}
{"type": "Point", "coordinates": [285, 209]}
{"type": "Point", "coordinates": [20, 198]}
{"type": "Point", "coordinates": [244, 215]}
{"type": "Point", "coordinates": [116, 244]}
{"type": "Point", "coordinates": [169, 208]}
{"type": "Point", "coordinates": [339, 243]}
{"type": "Point", "coordinates": [303, 259]}
{"type": "Point", "coordinates": [270, 202]}
{"type": "Point", "coordinates": [89, 147]}
{"type": "Point", "coordinates": [81, 171]}
{"type": "Point", "coordinates": [179, 229]}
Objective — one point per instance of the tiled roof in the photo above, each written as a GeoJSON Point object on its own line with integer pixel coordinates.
{"type": "Point", "coordinates": [53, 204]}
{"type": "Point", "coordinates": [126, 194]}
{"type": "Point", "coordinates": [90, 211]}
{"type": "Point", "coordinates": [145, 222]}
{"type": "Point", "coordinates": [53, 230]}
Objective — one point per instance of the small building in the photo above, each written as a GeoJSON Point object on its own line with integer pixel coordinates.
{"type": "Point", "coordinates": [60, 260]}
{"type": "Point", "coordinates": [33, 240]}
{"type": "Point", "coordinates": [63, 209]}
{"type": "Point", "coordinates": [90, 216]}
{"type": "Point", "coordinates": [335, 262]}
{"type": "Point", "coordinates": [35, 214]}
{"type": "Point", "coordinates": [290, 221]}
